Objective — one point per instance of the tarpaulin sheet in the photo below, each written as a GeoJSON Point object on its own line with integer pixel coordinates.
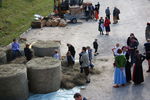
{"type": "Point", "coordinates": [61, 94]}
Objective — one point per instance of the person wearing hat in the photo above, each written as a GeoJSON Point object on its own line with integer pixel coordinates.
{"type": "Point", "coordinates": [147, 52]}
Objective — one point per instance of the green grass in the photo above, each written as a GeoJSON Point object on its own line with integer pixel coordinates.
{"type": "Point", "coordinates": [16, 16]}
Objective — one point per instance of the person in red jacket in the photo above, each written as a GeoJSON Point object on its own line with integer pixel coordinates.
{"type": "Point", "coordinates": [107, 25]}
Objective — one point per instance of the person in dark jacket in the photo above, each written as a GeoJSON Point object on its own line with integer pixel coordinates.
{"type": "Point", "coordinates": [147, 31]}
{"type": "Point", "coordinates": [28, 52]}
{"type": "Point", "coordinates": [147, 52]}
{"type": "Point", "coordinates": [116, 13]}
{"type": "Point", "coordinates": [128, 64]}
{"type": "Point", "coordinates": [95, 46]}
{"type": "Point", "coordinates": [132, 43]}
{"type": "Point", "coordinates": [107, 12]}
{"type": "Point", "coordinates": [138, 70]}
{"type": "Point", "coordinates": [70, 59]}
{"type": "Point", "coordinates": [71, 49]}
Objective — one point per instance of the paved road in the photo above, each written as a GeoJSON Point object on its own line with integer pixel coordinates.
{"type": "Point", "coordinates": [134, 16]}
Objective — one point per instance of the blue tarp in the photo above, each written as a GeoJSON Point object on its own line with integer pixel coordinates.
{"type": "Point", "coordinates": [61, 94]}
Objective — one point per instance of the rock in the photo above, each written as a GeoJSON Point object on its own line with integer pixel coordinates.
{"type": "Point", "coordinates": [44, 75]}
{"type": "Point", "coordinates": [45, 48]}
{"type": "Point", "coordinates": [55, 22]}
{"type": "Point", "coordinates": [49, 23]}
{"type": "Point", "coordinates": [13, 82]}
{"type": "Point", "coordinates": [62, 23]}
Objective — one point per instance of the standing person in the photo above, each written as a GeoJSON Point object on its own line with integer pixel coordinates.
{"type": "Point", "coordinates": [107, 25]}
{"type": "Point", "coordinates": [70, 59]}
{"type": "Point", "coordinates": [15, 47]}
{"type": "Point", "coordinates": [98, 6]}
{"type": "Point", "coordinates": [133, 43]}
{"type": "Point", "coordinates": [87, 11]}
{"type": "Point", "coordinates": [85, 64]}
{"type": "Point", "coordinates": [147, 52]}
{"type": "Point", "coordinates": [107, 12]}
{"type": "Point", "coordinates": [71, 49]}
{"type": "Point", "coordinates": [96, 14]}
{"type": "Point", "coordinates": [147, 31]}
{"type": "Point", "coordinates": [116, 13]}
{"type": "Point", "coordinates": [56, 55]}
{"type": "Point", "coordinates": [119, 73]}
{"type": "Point", "coordinates": [130, 38]}
{"type": "Point", "coordinates": [115, 49]}
{"type": "Point", "coordinates": [128, 64]}
{"type": "Point", "coordinates": [28, 52]}
{"type": "Point", "coordinates": [89, 51]}
{"type": "Point", "coordinates": [95, 46]}
{"type": "Point", "coordinates": [138, 70]}
{"type": "Point", "coordinates": [101, 26]}
{"type": "Point", "coordinates": [78, 96]}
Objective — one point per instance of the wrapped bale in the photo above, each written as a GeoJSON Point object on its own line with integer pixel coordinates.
{"type": "Point", "coordinates": [62, 23]}
{"type": "Point", "coordinates": [45, 48]}
{"type": "Point", "coordinates": [44, 75]}
{"type": "Point", "coordinates": [3, 58]}
{"type": "Point", "coordinates": [13, 82]}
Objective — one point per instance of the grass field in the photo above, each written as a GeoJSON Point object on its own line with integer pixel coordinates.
{"type": "Point", "coordinates": [16, 16]}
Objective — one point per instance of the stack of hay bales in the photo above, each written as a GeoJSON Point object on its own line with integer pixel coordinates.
{"type": "Point", "coordinates": [45, 48]}
{"type": "Point", "coordinates": [56, 22]}
{"type": "Point", "coordinates": [44, 75]}
{"type": "Point", "coordinates": [13, 82]}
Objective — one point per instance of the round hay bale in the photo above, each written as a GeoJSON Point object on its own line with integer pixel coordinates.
{"type": "Point", "coordinates": [62, 23]}
{"type": "Point", "coordinates": [44, 75]}
{"type": "Point", "coordinates": [45, 48]}
{"type": "Point", "coordinates": [13, 82]}
{"type": "Point", "coordinates": [3, 58]}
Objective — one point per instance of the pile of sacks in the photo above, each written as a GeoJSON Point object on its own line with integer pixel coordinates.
{"type": "Point", "coordinates": [53, 22]}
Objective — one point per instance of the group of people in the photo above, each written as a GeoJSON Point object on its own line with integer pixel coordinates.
{"type": "Point", "coordinates": [91, 11]}
{"type": "Point", "coordinates": [85, 58]}
{"type": "Point", "coordinates": [105, 24]}
{"type": "Point", "coordinates": [128, 57]}
{"type": "Point", "coordinates": [15, 47]}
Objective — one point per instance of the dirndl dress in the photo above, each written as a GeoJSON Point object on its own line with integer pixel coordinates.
{"type": "Point", "coordinates": [119, 76]}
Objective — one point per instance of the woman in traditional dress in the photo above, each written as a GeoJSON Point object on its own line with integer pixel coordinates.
{"type": "Point", "coordinates": [138, 70]}
{"type": "Point", "coordinates": [128, 64]}
{"type": "Point", "coordinates": [101, 26]}
{"type": "Point", "coordinates": [119, 74]}
{"type": "Point", "coordinates": [107, 25]}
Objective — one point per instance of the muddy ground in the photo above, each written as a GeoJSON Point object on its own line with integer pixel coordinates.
{"type": "Point", "coordinates": [134, 16]}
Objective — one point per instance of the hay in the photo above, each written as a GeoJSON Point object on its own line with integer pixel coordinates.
{"type": "Point", "coordinates": [20, 60]}
{"type": "Point", "coordinates": [72, 77]}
